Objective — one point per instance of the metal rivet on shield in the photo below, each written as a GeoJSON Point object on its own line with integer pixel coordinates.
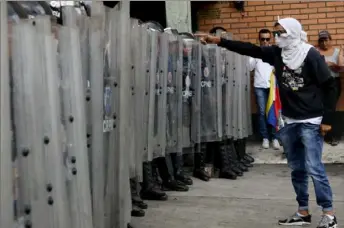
{"type": "Point", "coordinates": [115, 84]}
{"type": "Point", "coordinates": [49, 187]}
{"type": "Point", "coordinates": [114, 116]}
{"type": "Point", "coordinates": [147, 71]}
{"type": "Point", "coordinates": [50, 200]}
{"type": "Point", "coordinates": [88, 145]}
{"type": "Point", "coordinates": [132, 67]}
{"type": "Point", "coordinates": [71, 119]}
{"type": "Point", "coordinates": [88, 135]}
{"type": "Point", "coordinates": [114, 126]}
{"type": "Point", "coordinates": [161, 71]}
{"type": "Point", "coordinates": [88, 98]}
{"type": "Point", "coordinates": [74, 171]}
{"type": "Point", "coordinates": [46, 140]}
{"type": "Point", "coordinates": [73, 159]}
{"type": "Point", "coordinates": [28, 224]}
{"type": "Point", "coordinates": [25, 152]}
{"type": "Point", "coordinates": [27, 210]}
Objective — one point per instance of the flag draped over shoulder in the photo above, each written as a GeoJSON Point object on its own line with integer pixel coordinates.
{"type": "Point", "coordinates": [273, 106]}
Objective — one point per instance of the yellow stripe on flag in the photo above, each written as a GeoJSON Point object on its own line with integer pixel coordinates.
{"type": "Point", "coordinates": [271, 98]}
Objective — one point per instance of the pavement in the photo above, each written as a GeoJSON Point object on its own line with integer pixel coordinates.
{"type": "Point", "coordinates": [331, 154]}
{"type": "Point", "coordinates": [257, 200]}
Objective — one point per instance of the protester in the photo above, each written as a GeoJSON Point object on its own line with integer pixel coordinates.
{"type": "Point", "coordinates": [334, 59]}
{"type": "Point", "coordinates": [307, 92]}
{"type": "Point", "coordinates": [262, 73]}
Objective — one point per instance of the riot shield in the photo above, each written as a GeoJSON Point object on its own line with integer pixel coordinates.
{"type": "Point", "coordinates": [96, 66]}
{"type": "Point", "coordinates": [248, 99]}
{"type": "Point", "coordinates": [134, 54]}
{"type": "Point", "coordinates": [235, 95]}
{"type": "Point", "coordinates": [28, 126]}
{"type": "Point", "coordinates": [141, 98]}
{"type": "Point", "coordinates": [210, 117]}
{"type": "Point", "coordinates": [227, 109]}
{"type": "Point", "coordinates": [225, 74]}
{"type": "Point", "coordinates": [143, 85]}
{"type": "Point", "coordinates": [117, 193]}
{"type": "Point", "coordinates": [191, 105]}
{"type": "Point", "coordinates": [157, 101]}
{"type": "Point", "coordinates": [51, 110]}
{"type": "Point", "coordinates": [75, 125]}
{"type": "Point", "coordinates": [6, 172]}
{"type": "Point", "coordinates": [244, 98]}
{"type": "Point", "coordinates": [174, 95]}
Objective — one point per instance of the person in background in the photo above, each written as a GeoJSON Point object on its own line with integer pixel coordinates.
{"type": "Point", "coordinates": [334, 59]}
{"type": "Point", "coordinates": [262, 73]}
{"type": "Point", "coordinates": [308, 93]}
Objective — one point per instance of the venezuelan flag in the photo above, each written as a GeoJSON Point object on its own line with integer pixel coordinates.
{"type": "Point", "coordinates": [273, 106]}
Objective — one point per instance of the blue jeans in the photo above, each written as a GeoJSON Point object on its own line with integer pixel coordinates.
{"type": "Point", "coordinates": [262, 96]}
{"type": "Point", "coordinates": [303, 144]}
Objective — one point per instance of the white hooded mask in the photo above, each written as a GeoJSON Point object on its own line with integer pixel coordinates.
{"type": "Point", "coordinates": [293, 43]}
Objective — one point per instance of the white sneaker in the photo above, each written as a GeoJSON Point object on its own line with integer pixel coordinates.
{"type": "Point", "coordinates": [266, 144]}
{"type": "Point", "coordinates": [275, 144]}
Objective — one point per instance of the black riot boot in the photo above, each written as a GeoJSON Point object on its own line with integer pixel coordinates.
{"type": "Point", "coordinates": [137, 212]}
{"type": "Point", "coordinates": [199, 165]}
{"type": "Point", "coordinates": [226, 169]}
{"type": "Point", "coordinates": [135, 197]}
{"type": "Point", "coordinates": [240, 147]}
{"type": "Point", "coordinates": [150, 189]}
{"type": "Point", "coordinates": [179, 175]}
{"type": "Point", "coordinates": [165, 168]}
{"type": "Point", "coordinates": [246, 156]}
{"type": "Point", "coordinates": [234, 158]}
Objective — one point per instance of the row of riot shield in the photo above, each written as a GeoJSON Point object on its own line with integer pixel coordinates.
{"type": "Point", "coordinates": [96, 98]}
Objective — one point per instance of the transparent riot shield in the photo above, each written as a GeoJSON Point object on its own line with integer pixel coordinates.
{"type": "Point", "coordinates": [30, 138]}
{"type": "Point", "coordinates": [244, 98]}
{"type": "Point", "coordinates": [141, 99]}
{"type": "Point", "coordinates": [225, 71]}
{"type": "Point", "coordinates": [157, 101]}
{"type": "Point", "coordinates": [191, 106]}
{"type": "Point", "coordinates": [174, 96]}
{"type": "Point", "coordinates": [227, 109]}
{"type": "Point", "coordinates": [248, 98]}
{"type": "Point", "coordinates": [74, 119]}
{"type": "Point", "coordinates": [134, 54]}
{"type": "Point", "coordinates": [239, 80]}
{"type": "Point", "coordinates": [209, 95]}
{"type": "Point", "coordinates": [117, 193]}
{"type": "Point", "coordinates": [97, 158]}
{"type": "Point", "coordinates": [187, 92]}
{"type": "Point", "coordinates": [110, 115]}
{"type": "Point", "coordinates": [235, 95]}
{"type": "Point", "coordinates": [6, 172]}
{"type": "Point", "coordinates": [219, 80]}
{"type": "Point", "coordinates": [51, 108]}
{"type": "Point", "coordinates": [143, 85]}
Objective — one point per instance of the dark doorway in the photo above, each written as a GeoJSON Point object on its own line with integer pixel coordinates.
{"type": "Point", "coordinates": [149, 11]}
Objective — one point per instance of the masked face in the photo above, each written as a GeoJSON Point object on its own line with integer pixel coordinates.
{"type": "Point", "coordinates": [282, 41]}
{"type": "Point", "coordinates": [281, 36]}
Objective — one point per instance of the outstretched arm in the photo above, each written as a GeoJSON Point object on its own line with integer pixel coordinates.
{"type": "Point", "coordinates": [267, 54]}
